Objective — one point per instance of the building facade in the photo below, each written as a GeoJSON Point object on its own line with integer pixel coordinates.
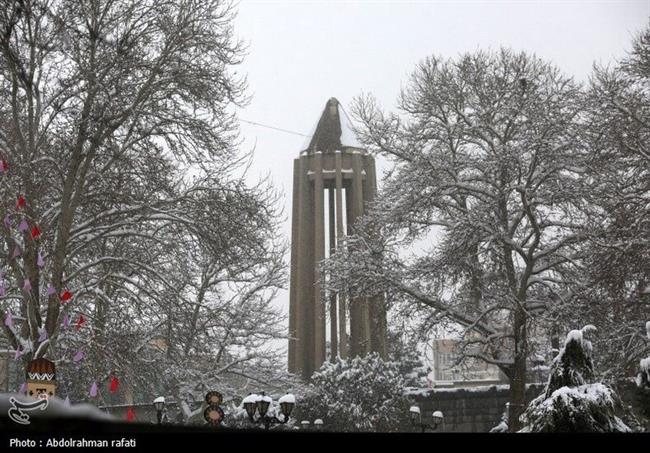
{"type": "Point", "coordinates": [448, 371]}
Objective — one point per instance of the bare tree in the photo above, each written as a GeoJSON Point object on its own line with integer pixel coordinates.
{"type": "Point", "coordinates": [616, 293]}
{"type": "Point", "coordinates": [487, 156]}
{"type": "Point", "coordinates": [94, 85]}
{"type": "Point", "coordinates": [120, 143]}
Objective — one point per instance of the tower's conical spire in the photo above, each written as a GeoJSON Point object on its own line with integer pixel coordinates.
{"type": "Point", "coordinates": [332, 132]}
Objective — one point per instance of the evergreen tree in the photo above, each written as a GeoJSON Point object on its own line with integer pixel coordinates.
{"type": "Point", "coordinates": [643, 380]}
{"type": "Point", "coordinates": [405, 354]}
{"type": "Point", "coordinates": [572, 401]}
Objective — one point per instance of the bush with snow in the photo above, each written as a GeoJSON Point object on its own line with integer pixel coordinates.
{"type": "Point", "coordinates": [359, 394]}
{"type": "Point", "coordinates": [572, 401]}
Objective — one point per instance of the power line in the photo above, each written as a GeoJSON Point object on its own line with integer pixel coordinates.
{"type": "Point", "coordinates": [346, 114]}
{"type": "Point", "coordinates": [274, 128]}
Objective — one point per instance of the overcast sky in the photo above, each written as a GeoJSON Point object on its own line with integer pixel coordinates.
{"type": "Point", "coordinates": [301, 53]}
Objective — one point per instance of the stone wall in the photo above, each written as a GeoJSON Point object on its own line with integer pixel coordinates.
{"type": "Point", "coordinates": [476, 409]}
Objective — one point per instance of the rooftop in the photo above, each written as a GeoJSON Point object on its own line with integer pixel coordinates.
{"type": "Point", "coordinates": [332, 132]}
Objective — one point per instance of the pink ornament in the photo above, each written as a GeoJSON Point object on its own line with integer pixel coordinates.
{"type": "Point", "coordinates": [93, 390]}
{"type": "Point", "coordinates": [23, 226]}
{"type": "Point", "coordinates": [42, 337]}
{"type": "Point", "coordinates": [18, 354]}
{"type": "Point", "coordinates": [50, 289]}
{"type": "Point", "coordinates": [27, 285]}
{"type": "Point", "coordinates": [66, 321]}
{"type": "Point", "coordinates": [39, 260]}
{"type": "Point", "coordinates": [9, 320]}
{"type": "Point", "coordinates": [7, 222]}
{"type": "Point", "coordinates": [78, 357]}
{"type": "Point", "coordinates": [23, 388]}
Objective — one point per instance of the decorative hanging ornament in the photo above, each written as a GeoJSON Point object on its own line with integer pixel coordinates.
{"type": "Point", "coordinates": [9, 320]}
{"type": "Point", "coordinates": [7, 222]}
{"type": "Point", "coordinates": [66, 321]}
{"type": "Point", "coordinates": [43, 336]}
{"type": "Point", "coordinates": [115, 383]}
{"type": "Point", "coordinates": [39, 261]}
{"type": "Point", "coordinates": [80, 322]}
{"type": "Point", "coordinates": [4, 166]}
{"type": "Point", "coordinates": [66, 296]}
{"type": "Point", "coordinates": [130, 415]}
{"type": "Point", "coordinates": [51, 289]}
{"type": "Point", "coordinates": [23, 226]}
{"type": "Point", "coordinates": [78, 357]}
{"type": "Point", "coordinates": [36, 232]}
{"type": "Point", "coordinates": [23, 388]}
{"type": "Point", "coordinates": [27, 285]}
{"type": "Point", "coordinates": [18, 354]}
{"type": "Point", "coordinates": [2, 289]}
{"type": "Point", "coordinates": [21, 203]}
{"type": "Point", "coordinates": [41, 378]}
{"type": "Point", "coordinates": [93, 390]}
{"type": "Point", "coordinates": [66, 402]}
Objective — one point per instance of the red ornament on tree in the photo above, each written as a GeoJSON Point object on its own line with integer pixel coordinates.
{"type": "Point", "coordinates": [36, 232]}
{"type": "Point", "coordinates": [21, 202]}
{"type": "Point", "coordinates": [66, 296]}
{"type": "Point", "coordinates": [5, 165]}
{"type": "Point", "coordinates": [130, 415]}
{"type": "Point", "coordinates": [115, 383]}
{"type": "Point", "coordinates": [80, 322]}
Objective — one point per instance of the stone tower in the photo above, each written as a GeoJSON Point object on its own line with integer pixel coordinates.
{"type": "Point", "coordinates": [333, 179]}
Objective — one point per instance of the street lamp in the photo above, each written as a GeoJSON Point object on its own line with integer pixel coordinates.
{"type": "Point", "coordinates": [161, 411]}
{"type": "Point", "coordinates": [257, 408]}
{"type": "Point", "coordinates": [318, 424]}
{"type": "Point", "coordinates": [416, 419]}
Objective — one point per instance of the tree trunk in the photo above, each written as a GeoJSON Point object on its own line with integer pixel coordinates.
{"type": "Point", "coordinates": [518, 378]}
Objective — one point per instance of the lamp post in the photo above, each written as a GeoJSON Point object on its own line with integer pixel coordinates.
{"type": "Point", "coordinates": [257, 407]}
{"type": "Point", "coordinates": [416, 419]}
{"type": "Point", "coordinates": [318, 424]}
{"type": "Point", "coordinates": [161, 411]}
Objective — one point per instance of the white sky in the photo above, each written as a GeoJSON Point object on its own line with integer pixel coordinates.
{"type": "Point", "coordinates": [301, 53]}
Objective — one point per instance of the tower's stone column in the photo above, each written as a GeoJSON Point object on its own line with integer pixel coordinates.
{"type": "Point", "coordinates": [319, 254]}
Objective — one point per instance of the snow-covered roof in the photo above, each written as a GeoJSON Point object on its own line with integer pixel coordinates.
{"type": "Point", "coordinates": [332, 132]}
